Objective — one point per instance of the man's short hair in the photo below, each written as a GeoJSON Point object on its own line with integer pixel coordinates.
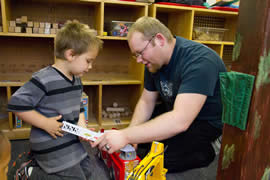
{"type": "Point", "coordinates": [149, 27]}
{"type": "Point", "coordinates": [76, 36]}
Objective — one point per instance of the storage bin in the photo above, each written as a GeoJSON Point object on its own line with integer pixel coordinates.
{"type": "Point", "coordinates": [208, 34]}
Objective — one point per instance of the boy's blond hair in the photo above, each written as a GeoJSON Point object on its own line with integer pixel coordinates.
{"type": "Point", "coordinates": [76, 36]}
{"type": "Point", "coordinates": [149, 27]}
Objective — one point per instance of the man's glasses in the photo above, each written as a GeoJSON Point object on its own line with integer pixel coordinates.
{"type": "Point", "coordinates": [138, 54]}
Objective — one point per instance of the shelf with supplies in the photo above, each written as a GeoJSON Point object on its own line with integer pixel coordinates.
{"type": "Point", "coordinates": [213, 28]}
{"type": "Point", "coordinates": [27, 49]}
{"type": "Point", "coordinates": [116, 78]}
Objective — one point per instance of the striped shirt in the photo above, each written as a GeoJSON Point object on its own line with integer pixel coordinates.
{"type": "Point", "coordinates": [51, 93]}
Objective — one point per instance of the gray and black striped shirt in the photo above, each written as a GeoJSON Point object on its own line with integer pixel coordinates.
{"type": "Point", "coordinates": [51, 93]}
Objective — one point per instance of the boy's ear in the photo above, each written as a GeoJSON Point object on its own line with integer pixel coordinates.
{"type": "Point", "coordinates": [69, 54]}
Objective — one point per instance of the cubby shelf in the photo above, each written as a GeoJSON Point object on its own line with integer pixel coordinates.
{"type": "Point", "coordinates": [115, 77]}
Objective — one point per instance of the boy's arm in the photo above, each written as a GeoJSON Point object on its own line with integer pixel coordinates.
{"type": "Point", "coordinates": [50, 125]}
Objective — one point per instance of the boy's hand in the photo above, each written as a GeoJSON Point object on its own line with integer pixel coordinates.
{"type": "Point", "coordinates": [53, 127]}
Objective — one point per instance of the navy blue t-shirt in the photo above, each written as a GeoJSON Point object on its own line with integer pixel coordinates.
{"type": "Point", "coordinates": [193, 68]}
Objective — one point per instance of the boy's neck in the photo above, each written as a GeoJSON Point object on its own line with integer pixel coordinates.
{"type": "Point", "coordinates": [62, 66]}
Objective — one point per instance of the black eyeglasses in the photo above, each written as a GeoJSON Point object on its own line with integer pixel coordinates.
{"type": "Point", "coordinates": [138, 54]}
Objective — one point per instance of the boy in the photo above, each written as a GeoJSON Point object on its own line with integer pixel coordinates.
{"type": "Point", "coordinates": [53, 95]}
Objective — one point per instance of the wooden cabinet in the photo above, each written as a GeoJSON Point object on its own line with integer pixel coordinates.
{"type": "Point", "coordinates": [115, 76]}
{"type": "Point", "coordinates": [182, 20]}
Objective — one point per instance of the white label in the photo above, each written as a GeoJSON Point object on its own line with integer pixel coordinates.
{"type": "Point", "coordinates": [79, 131]}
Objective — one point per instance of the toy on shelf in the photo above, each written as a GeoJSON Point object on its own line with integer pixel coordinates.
{"type": "Point", "coordinates": [152, 166]}
{"type": "Point", "coordinates": [115, 111]}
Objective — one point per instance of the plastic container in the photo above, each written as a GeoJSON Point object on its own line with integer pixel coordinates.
{"type": "Point", "coordinates": [208, 34]}
{"type": "Point", "coordinates": [120, 28]}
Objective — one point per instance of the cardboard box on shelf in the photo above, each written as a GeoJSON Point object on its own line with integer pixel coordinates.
{"type": "Point", "coordinates": [29, 30]}
{"type": "Point", "coordinates": [24, 19]}
{"type": "Point", "coordinates": [12, 23]}
{"type": "Point", "coordinates": [30, 24]}
{"type": "Point", "coordinates": [53, 31]}
{"type": "Point", "coordinates": [85, 106]}
{"type": "Point", "coordinates": [36, 24]}
{"type": "Point", "coordinates": [11, 29]}
{"type": "Point", "coordinates": [35, 30]}
{"type": "Point", "coordinates": [18, 29]}
{"type": "Point", "coordinates": [41, 30]}
{"type": "Point", "coordinates": [55, 25]}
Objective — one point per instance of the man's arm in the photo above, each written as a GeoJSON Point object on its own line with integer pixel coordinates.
{"type": "Point", "coordinates": [144, 107]}
{"type": "Point", "coordinates": [186, 108]}
{"type": "Point", "coordinates": [50, 125]}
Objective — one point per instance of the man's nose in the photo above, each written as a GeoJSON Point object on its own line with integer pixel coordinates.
{"type": "Point", "coordinates": [139, 59]}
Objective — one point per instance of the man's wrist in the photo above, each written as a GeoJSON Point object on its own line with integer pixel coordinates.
{"type": "Point", "coordinates": [125, 133]}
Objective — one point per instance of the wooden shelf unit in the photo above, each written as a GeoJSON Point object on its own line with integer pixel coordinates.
{"type": "Point", "coordinates": [115, 76]}
{"type": "Point", "coordinates": [181, 21]}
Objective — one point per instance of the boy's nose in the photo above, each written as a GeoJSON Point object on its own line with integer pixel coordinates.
{"type": "Point", "coordinates": [90, 66]}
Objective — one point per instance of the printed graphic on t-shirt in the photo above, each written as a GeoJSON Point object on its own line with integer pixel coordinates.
{"type": "Point", "coordinates": [166, 88]}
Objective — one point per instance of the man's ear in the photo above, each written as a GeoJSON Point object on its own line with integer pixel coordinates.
{"type": "Point", "coordinates": [69, 54]}
{"type": "Point", "coordinates": [160, 39]}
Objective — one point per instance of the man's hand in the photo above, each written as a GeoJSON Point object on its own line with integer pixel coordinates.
{"type": "Point", "coordinates": [111, 141]}
{"type": "Point", "coordinates": [53, 127]}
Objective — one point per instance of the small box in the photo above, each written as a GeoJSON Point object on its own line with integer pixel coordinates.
{"type": "Point", "coordinates": [30, 24]}
{"type": "Point", "coordinates": [35, 30]}
{"type": "Point", "coordinates": [11, 29]}
{"type": "Point", "coordinates": [29, 30]}
{"type": "Point", "coordinates": [120, 28]}
{"type": "Point", "coordinates": [36, 24]}
{"type": "Point", "coordinates": [53, 31]}
{"type": "Point", "coordinates": [42, 25]}
{"type": "Point", "coordinates": [24, 19]}
{"type": "Point", "coordinates": [18, 29]}
{"type": "Point", "coordinates": [18, 122]}
{"type": "Point", "coordinates": [18, 21]}
{"type": "Point", "coordinates": [47, 25]}
{"type": "Point", "coordinates": [208, 34]}
{"type": "Point", "coordinates": [40, 30]}
{"type": "Point", "coordinates": [85, 106]}
{"type": "Point", "coordinates": [12, 23]}
{"type": "Point", "coordinates": [55, 25]}
{"type": "Point", "coordinates": [47, 31]}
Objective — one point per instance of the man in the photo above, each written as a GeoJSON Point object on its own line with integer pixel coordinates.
{"type": "Point", "coordinates": [185, 75]}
